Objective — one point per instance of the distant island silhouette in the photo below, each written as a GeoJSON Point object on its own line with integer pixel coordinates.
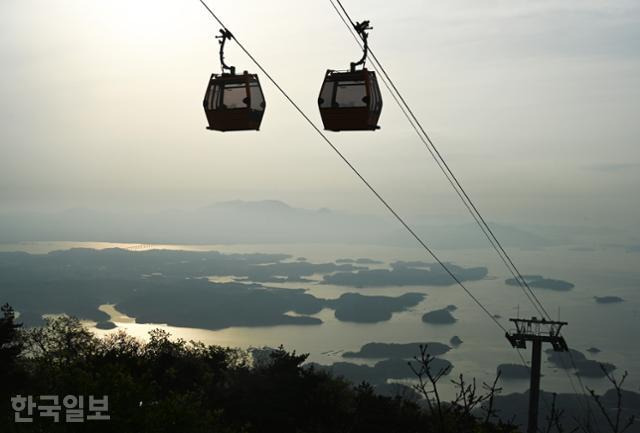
{"type": "Point", "coordinates": [539, 282]}
{"type": "Point", "coordinates": [405, 274]}
{"type": "Point", "coordinates": [608, 299]}
{"type": "Point", "coordinates": [353, 307]}
{"type": "Point", "coordinates": [514, 371]}
{"type": "Point", "coordinates": [244, 222]}
{"type": "Point", "coordinates": [395, 358]}
{"type": "Point", "coordinates": [442, 316]}
{"type": "Point", "coordinates": [360, 261]}
{"type": "Point", "coordinates": [584, 367]}
{"type": "Point", "coordinates": [455, 341]}
{"type": "Point", "coordinates": [396, 350]}
{"type": "Point", "coordinates": [394, 368]}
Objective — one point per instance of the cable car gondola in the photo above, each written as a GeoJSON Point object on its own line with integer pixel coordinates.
{"type": "Point", "coordinates": [233, 102]}
{"type": "Point", "coordinates": [351, 100]}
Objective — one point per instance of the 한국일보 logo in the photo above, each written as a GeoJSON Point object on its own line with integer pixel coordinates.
{"type": "Point", "coordinates": [50, 406]}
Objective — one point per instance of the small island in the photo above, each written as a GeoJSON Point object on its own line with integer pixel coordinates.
{"type": "Point", "coordinates": [514, 371]}
{"type": "Point", "coordinates": [360, 261]}
{"type": "Point", "coordinates": [354, 307]}
{"type": "Point", "coordinates": [343, 261]}
{"type": "Point", "coordinates": [401, 274]}
{"type": "Point", "coordinates": [396, 350]}
{"type": "Point", "coordinates": [608, 299]}
{"type": "Point", "coordinates": [455, 341]}
{"type": "Point", "coordinates": [394, 368]}
{"type": "Point", "coordinates": [439, 317]}
{"type": "Point", "coordinates": [584, 367]}
{"type": "Point", "coordinates": [366, 261]}
{"type": "Point", "coordinates": [539, 282]}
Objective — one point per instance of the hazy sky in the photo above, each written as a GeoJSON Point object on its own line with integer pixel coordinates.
{"type": "Point", "coordinates": [535, 104]}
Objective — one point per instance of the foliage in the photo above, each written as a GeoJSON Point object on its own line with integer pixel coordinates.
{"type": "Point", "coordinates": [459, 414]}
{"type": "Point", "coordinates": [169, 385]}
{"type": "Point", "coordinates": [613, 415]}
{"type": "Point", "coordinates": [10, 344]}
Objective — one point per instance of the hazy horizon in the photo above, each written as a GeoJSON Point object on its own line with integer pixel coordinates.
{"type": "Point", "coordinates": [533, 105]}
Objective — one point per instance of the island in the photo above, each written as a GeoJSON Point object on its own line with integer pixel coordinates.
{"type": "Point", "coordinates": [514, 371]}
{"type": "Point", "coordinates": [180, 288]}
{"type": "Point", "coordinates": [455, 341]}
{"type": "Point", "coordinates": [397, 350]}
{"type": "Point", "coordinates": [539, 282]}
{"type": "Point", "coordinates": [608, 299]}
{"type": "Point", "coordinates": [405, 274]}
{"type": "Point", "coordinates": [439, 317]}
{"type": "Point", "coordinates": [583, 366]}
{"type": "Point", "coordinates": [366, 261]}
{"type": "Point", "coordinates": [361, 261]}
{"type": "Point", "coordinates": [394, 368]}
{"type": "Point", "coordinates": [354, 307]}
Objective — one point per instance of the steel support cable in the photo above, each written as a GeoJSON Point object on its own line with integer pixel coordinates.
{"type": "Point", "coordinates": [424, 137]}
{"type": "Point", "coordinates": [380, 198]}
{"type": "Point", "coordinates": [440, 165]}
{"type": "Point", "coordinates": [468, 203]}
{"type": "Point", "coordinates": [357, 173]}
{"type": "Point", "coordinates": [384, 81]}
{"type": "Point", "coordinates": [358, 41]}
{"type": "Point", "coordinates": [428, 142]}
{"type": "Point", "coordinates": [479, 219]}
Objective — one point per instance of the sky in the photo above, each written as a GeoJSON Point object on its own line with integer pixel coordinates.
{"type": "Point", "coordinates": [533, 104]}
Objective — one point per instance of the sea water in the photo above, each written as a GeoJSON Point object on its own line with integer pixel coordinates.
{"type": "Point", "coordinates": [612, 328]}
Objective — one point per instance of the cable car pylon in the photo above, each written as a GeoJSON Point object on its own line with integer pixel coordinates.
{"type": "Point", "coordinates": [537, 331]}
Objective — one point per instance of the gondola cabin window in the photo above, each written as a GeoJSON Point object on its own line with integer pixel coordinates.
{"type": "Point", "coordinates": [351, 94]}
{"type": "Point", "coordinates": [257, 98]}
{"type": "Point", "coordinates": [213, 97]}
{"type": "Point", "coordinates": [326, 94]}
{"type": "Point", "coordinates": [235, 96]}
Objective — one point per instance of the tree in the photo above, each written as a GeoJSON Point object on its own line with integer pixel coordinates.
{"type": "Point", "coordinates": [61, 341]}
{"type": "Point", "coordinates": [10, 341]}
{"type": "Point", "coordinates": [613, 413]}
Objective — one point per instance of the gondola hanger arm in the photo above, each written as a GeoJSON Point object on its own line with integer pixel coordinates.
{"type": "Point", "coordinates": [224, 35]}
{"type": "Point", "coordinates": [362, 28]}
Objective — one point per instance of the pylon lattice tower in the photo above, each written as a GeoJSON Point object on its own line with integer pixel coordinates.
{"type": "Point", "coordinates": [537, 331]}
